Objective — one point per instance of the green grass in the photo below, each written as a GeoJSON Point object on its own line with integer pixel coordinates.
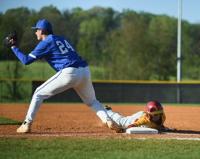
{"type": "Point", "coordinates": [40, 70]}
{"type": "Point", "coordinates": [6, 121]}
{"type": "Point", "coordinates": [86, 148]}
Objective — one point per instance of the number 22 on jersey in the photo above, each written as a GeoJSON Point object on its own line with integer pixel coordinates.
{"type": "Point", "coordinates": [64, 47]}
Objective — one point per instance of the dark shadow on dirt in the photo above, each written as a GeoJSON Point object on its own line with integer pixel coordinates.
{"type": "Point", "coordinates": [181, 131]}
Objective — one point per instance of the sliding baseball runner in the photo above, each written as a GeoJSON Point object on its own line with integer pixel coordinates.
{"type": "Point", "coordinates": [152, 117]}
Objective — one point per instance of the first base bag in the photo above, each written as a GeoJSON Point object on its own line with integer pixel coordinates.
{"type": "Point", "coordinates": [141, 130]}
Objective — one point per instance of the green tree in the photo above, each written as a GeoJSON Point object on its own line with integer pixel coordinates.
{"type": "Point", "coordinates": [13, 19]}
{"type": "Point", "coordinates": [163, 35]}
{"type": "Point", "coordinates": [93, 31]}
{"type": "Point", "coordinates": [127, 48]}
{"type": "Point", "coordinates": [190, 51]}
{"type": "Point", "coordinates": [73, 19]}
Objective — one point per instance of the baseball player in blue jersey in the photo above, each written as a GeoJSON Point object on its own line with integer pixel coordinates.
{"type": "Point", "coordinates": [72, 72]}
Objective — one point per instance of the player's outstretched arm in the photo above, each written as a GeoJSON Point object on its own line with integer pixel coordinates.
{"type": "Point", "coordinates": [25, 59]}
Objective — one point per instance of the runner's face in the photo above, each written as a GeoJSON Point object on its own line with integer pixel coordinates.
{"type": "Point", "coordinates": [156, 117]}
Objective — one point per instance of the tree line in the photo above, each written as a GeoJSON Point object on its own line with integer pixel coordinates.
{"type": "Point", "coordinates": [129, 45]}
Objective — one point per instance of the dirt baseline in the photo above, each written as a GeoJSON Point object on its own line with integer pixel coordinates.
{"type": "Point", "coordinates": [74, 120]}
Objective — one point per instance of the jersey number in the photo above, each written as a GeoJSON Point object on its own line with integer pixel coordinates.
{"type": "Point", "coordinates": [64, 47]}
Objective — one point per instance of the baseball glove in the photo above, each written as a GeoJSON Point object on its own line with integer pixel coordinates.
{"type": "Point", "coordinates": [10, 40]}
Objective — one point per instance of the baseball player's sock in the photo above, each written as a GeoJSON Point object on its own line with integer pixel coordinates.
{"type": "Point", "coordinates": [100, 111]}
{"type": "Point", "coordinates": [24, 128]}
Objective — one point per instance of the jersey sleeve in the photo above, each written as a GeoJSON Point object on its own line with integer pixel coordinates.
{"type": "Point", "coordinates": [145, 121]}
{"type": "Point", "coordinates": [40, 51]}
{"type": "Point", "coordinates": [25, 59]}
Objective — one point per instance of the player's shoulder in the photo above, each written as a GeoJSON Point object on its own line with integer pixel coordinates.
{"type": "Point", "coordinates": [56, 37]}
{"type": "Point", "coordinates": [52, 38]}
{"type": "Point", "coordinates": [42, 44]}
{"type": "Point", "coordinates": [49, 38]}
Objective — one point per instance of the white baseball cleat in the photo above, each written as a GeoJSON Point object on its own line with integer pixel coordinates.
{"type": "Point", "coordinates": [24, 128]}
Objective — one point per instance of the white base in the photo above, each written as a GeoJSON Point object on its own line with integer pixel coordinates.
{"type": "Point", "coordinates": [141, 130]}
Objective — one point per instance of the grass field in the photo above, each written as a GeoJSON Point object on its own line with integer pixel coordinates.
{"type": "Point", "coordinates": [6, 121]}
{"type": "Point", "coordinates": [86, 148]}
{"type": "Point", "coordinates": [39, 70]}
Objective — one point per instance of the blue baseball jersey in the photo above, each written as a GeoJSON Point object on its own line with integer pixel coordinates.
{"type": "Point", "coordinates": [56, 50]}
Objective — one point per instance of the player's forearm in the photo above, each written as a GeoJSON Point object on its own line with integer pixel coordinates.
{"type": "Point", "coordinates": [25, 59]}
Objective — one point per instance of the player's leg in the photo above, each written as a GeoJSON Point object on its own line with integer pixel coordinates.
{"type": "Point", "coordinates": [124, 121]}
{"type": "Point", "coordinates": [118, 118]}
{"type": "Point", "coordinates": [86, 92]}
{"type": "Point", "coordinates": [61, 81]}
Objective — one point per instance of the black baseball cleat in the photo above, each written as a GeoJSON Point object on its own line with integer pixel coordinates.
{"type": "Point", "coordinates": [107, 107]}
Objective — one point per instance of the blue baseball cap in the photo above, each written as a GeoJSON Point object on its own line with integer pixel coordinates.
{"type": "Point", "coordinates": [44, 25]}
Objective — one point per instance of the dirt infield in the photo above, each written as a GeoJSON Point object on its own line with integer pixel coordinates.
{"type": "Point", "coordinates": [77, 120]}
